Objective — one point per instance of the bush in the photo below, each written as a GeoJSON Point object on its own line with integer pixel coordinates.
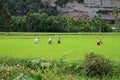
{"type": "Point", "coordinates": [116, 68]}
{"type": "Point", "coordinates": [16, 72]}
{"type": "Point", "coordinates": [11, 61]}
{"type": "Point", "coordinates": [36, 64]}
{"type": "Point", "coordinates": [97, 65]}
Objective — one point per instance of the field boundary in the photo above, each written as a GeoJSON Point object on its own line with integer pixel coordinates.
{"type": "Point", "coordinates": [48, 34]}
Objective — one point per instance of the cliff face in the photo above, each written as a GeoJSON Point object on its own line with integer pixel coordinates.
{"type": "Point", "coordinates": [87, 9]}
{"type": "Point", "coordinates": [105, 3]}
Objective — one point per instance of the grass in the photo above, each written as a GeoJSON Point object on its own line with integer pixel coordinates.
{"type": "Point", "coordinates": [73, 47]}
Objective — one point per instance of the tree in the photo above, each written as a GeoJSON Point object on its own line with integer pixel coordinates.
{"type": "Point", "coordinates": [18, 24]}
{"type": "Point", "coordinates": [5, 18]}
{"type": "Point", "coordinates": [100, 24]}
{"type": "Point", "coordinates": [119, 24]}
{"type": "Point", "coordinates": [56, 24]}
{"type": "Point", "coordinates": [50, 10]}
{"type": "Point", "coordinates": [115, 14]}
{"type": "Point", "coordinates": [36, 22]}
{"type": "Point", "coordinates": [23, 7]}
{"type": "Point", "coordinates": [43, 18]}
{"type": "Point", "coordinates": [33, 21]}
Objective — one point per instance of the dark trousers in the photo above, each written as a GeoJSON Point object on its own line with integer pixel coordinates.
{"type": "Point", "coordinates": [98, 43]}
{"type": "Point", "coordinates": [58, 41]}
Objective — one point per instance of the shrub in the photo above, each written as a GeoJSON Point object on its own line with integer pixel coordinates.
{"type": "Point", "coordinates": [36, 64]}
{"type": "Point", "coordinates": [97, 65]}
{"type": "Point", "coordinates": [116, 68]}
{"type": "Point", "coordinates": [11, 61]}
{"type": "Point", "coordinates": [16, 72]}
{"type": "Point", "coordinates": [37, 76]}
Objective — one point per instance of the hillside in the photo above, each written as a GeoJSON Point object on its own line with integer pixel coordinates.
{"type": "Point", "coordinates": [74, 8]}
{"type": "Point", "coordinates": [85, 8]}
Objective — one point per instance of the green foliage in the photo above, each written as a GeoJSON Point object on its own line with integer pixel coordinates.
{"type": "Point", "coordinates": [50, 10]}
{"type": "Point", "coordinates": [62, 69]}
{"type": "Point", "coordinates": [115, 14]}
{"type": "Point", "coordinates": [14, 72]}
{"type": "Point", "coordinates": [34, 16]}
{"type": "Point", "coordinates": [96, 24]}
{"type": "Point", "coordinates": [8, 60]}
{"type": "Point", "coordinates": [18, 24]}
{"type": "Point", "coordinates": [36, 21]}
{"type": "Point", "coordinates": [100, 25]}
{"type": "Point", "coordinates": [119, 24]}
{"type": "Point", "coordinates": [23, 7]}
{"type": "Point", "coordinates": [97, 65]}
{"type": "Point", "coordinates": [5, 17]}
{"type": "Point", "coordinates": [33, 22]}
{"type": "Point", "coordinates": [39, 64]}
{"type": "Point", "coordinates": [116, 68]}
{"type": "Point", "coordinates": [38, 76]}
{"type": "Point", "coordinates": [43, 22]}
{"type": "Point", "coordinates": [56, 24]}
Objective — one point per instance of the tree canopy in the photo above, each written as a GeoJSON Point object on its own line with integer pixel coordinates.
{"type": "Point", "coordinates": [5, 17]}
{"type": "Point", "coordinates": [35, 16]}
{"type": "Point", "coordinates": [23, 7]}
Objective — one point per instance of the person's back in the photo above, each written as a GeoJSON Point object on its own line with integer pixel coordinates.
{"type": "Point", "coordinates": [59, 40]}
{"type": "Point", "coordinates": [50, 40]}
{"type": "Point", "coordinates": [36, 40]}
{"type": "Point", "coordinates": [99, 42]}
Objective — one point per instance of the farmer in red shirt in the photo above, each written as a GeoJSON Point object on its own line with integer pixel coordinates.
{"type": "Point", "coordinates": [99, 42]}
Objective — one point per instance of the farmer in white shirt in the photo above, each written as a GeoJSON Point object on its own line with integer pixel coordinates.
{"type": "Point", "coordinates": [50, 40]}
{"type": "Point", "coordinates": [36, 40]}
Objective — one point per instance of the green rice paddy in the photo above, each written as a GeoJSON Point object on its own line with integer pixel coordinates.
{"type": "Point", "coordinates": [72, 47]}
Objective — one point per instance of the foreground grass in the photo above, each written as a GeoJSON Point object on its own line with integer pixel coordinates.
{"type": "Point", "coordinates": [73, 47]}
{"type": "Point", "coordinates": [38, 69]}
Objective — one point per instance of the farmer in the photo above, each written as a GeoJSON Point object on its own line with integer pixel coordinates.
{"type": "Point", "coordinates": [99, 42]}
{"type": "Point", "coordinates": [36, 40]}
{"type": "Point", "coordinates": [50, 40]}
{"type": "Point", "coordinates": [59, 40]}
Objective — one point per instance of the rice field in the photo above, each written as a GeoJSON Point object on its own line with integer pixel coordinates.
{"type": "Point", "coordinates": [72, 47]}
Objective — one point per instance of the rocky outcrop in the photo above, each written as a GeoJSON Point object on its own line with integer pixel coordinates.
{"type": "Point", "coordinates": [87, 9]}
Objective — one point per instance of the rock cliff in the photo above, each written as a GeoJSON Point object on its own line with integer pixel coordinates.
{"type": "Point", "coordinates": [87, 9]}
